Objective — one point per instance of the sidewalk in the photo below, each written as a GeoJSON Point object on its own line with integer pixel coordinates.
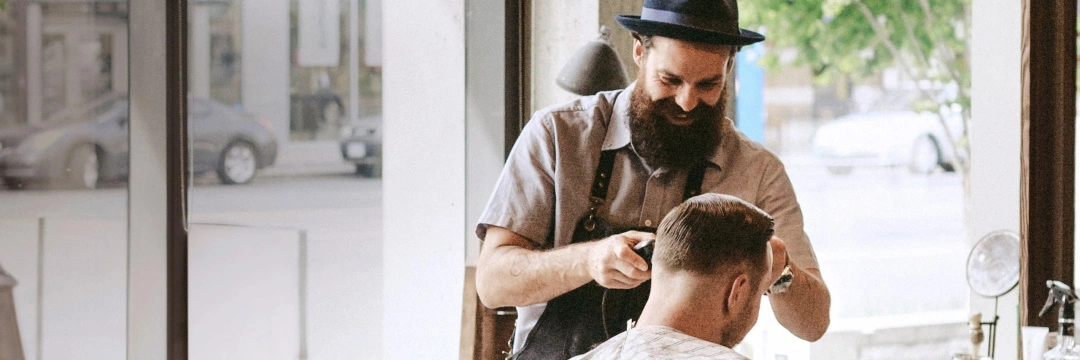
{"type": "Point", "coordinates": [308, 158]}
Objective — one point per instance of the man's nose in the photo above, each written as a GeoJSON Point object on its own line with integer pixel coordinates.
{"type": "Point", "coordinates": [687, 98]}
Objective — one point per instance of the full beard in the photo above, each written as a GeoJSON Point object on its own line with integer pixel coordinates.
{"type": "Point", "coordinates": [664, 144]}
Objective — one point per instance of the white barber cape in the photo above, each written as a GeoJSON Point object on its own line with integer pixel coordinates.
{"type": "Point", "coordinates": [658, 342]}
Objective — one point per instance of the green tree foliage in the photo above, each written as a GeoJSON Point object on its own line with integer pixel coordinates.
{"type": "Point", "coordinates": [925, 40]}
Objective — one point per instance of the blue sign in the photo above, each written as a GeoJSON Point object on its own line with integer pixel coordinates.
{"type": "Point", "coordinates": [750, 93]}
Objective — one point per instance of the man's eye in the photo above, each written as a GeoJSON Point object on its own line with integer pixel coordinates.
{"type": "Point", "coordinates": [672, 81]}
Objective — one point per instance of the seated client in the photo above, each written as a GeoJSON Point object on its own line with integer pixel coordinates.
{"type": "Point", "coordinates": [711, 265]}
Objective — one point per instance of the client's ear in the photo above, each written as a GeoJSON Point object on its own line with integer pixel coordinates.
{"type": "Point", "coordinates": [741, 291]}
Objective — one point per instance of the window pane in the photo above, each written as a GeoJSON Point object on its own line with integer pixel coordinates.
{"type": "Point", "coordinates": [286, 136]}
{"type": "Point", "coordinates": [875, 143]}
{"type": "Point", "coordinates": [63, 166]}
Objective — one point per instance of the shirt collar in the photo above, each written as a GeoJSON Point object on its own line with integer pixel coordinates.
{"type": "Point", "coordinates": [729, 144]}
{"type": "Point", "coordinates": [618, 132]}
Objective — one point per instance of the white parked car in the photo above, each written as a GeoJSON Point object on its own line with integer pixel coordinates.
{"type": "Point", "coordinates": [904, 138]}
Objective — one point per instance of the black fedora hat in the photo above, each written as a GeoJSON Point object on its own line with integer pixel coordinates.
{"type": "Point", "coordinates": [707, 21]}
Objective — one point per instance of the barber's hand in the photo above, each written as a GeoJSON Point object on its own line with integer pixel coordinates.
{"type": "Point", "coordinates": [613, 263]}
{"type": "Point", "coordinates": [780, 257]}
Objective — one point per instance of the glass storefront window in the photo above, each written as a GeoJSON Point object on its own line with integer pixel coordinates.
{"type": "Point", "coordinates": [286, 146]}
{"type": "Point", "coordinates": [63, 166]}
{"type": "Point", "coordinates": [875, 143]}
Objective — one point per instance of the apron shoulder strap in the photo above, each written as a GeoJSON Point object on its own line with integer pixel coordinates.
{"type": "Point", "coordinates": [693, 180]}
{"type": "Point", "coordinates": [603, 174]}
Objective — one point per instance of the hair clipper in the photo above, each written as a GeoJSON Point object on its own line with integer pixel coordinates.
{"type": "Point", "coordinates": [644, 249]}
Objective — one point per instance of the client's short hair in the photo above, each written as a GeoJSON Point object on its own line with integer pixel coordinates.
{"type": "Point", "coordinates": [713, 233]}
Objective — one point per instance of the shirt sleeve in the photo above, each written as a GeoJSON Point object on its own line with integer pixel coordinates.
{"type": "Point", "coordinates": [777, 197]}
{"type": "Point", "coordinates": [524, 197]}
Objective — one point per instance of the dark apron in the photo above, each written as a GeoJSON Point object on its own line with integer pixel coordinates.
{"type": "Point", "coordinates": [574, 322]}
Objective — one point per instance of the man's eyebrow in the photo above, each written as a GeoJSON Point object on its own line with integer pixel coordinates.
{"type": "Point", "coordinates": [666, 73]}
{"type": "Point", "coordinates": [713, 79]}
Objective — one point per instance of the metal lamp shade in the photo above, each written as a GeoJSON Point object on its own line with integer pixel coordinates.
{"type": "Point", "coordinates": [593, 68]}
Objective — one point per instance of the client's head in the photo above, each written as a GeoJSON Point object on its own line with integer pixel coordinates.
{"type": "Point", "coordinates": [714, 250]}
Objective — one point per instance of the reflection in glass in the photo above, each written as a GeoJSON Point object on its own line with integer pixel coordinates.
{"type": "Point", "coordinates": [63, 162]}
{"type": "Point", "coordinates": [301, 76]}
{"type": "Point", "coordinates": [228, 142]}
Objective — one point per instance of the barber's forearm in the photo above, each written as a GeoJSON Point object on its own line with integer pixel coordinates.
{"type": "Point", "coordinates": [804, 308]}
{"type": "Point", "coordinates": [515, 276]}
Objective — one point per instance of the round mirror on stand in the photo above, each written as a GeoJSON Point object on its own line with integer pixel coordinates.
{"type": "Point", "coordinates": [993, 269]}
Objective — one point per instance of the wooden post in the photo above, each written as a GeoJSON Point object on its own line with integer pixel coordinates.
{"type": "Point", "coordinates": [1048, 117]}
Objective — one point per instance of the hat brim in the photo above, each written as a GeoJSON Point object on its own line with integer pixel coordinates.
{"type": "Point", "coordinates": [682, 32]}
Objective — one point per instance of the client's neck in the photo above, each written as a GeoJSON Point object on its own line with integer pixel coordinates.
{"type": "Point", "coordinates": [690, 304]}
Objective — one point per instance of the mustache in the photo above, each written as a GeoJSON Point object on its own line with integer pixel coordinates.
{"type": "Point", "coordinates": [669, 108]}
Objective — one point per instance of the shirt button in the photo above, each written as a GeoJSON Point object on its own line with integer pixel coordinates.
{"type": "Point", "coordinates": [648, 222]}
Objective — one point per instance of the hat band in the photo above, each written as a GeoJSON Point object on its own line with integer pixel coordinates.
{"type": "Point", "coordinates": [687, 20]}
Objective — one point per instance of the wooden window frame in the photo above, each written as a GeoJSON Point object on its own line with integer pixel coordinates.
{"type": "Point", "coordinates": [517, 69]}
{"type": "Point", "coordinates": [177, 165]}
{"type": "Point", "coordinates": [1047, 165]}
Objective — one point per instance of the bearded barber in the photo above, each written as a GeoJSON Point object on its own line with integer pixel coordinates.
{"type": "Point", "coordinates": [555, 230]}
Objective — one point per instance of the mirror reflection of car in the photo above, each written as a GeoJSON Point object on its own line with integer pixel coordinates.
{"type": "Point", "coordinates": [917, 141]}
{"type": "Point", "coordinates": [83, 146]}
{"type": "Point", "coordinates": [361, 144]}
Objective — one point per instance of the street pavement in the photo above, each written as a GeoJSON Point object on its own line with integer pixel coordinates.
{"type": "Point", "coordinates": [308, 158]}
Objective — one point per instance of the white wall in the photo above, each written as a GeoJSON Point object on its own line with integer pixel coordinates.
{"type": "Point", "coordinates": [995, 144]}
{"type": "Point", "coordinates": [559, 28]}
{"type": "Point", "coordinates": [620, 38]}
{"type": "Point", "coordinates": [264, 88]}
{"type": "Point", "coordinates": [484, 110]}
{"type": "Point", "coordinates": [146, 311]}
{"type": "Point", "coordinates": [423, 177]}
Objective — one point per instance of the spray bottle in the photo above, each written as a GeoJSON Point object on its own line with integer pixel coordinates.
{"type": "Point", "coordinates": [1066, 347]}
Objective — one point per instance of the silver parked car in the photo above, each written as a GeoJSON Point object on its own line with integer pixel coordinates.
{"type": "Point", "coordinates": [917, 141]}
{"type": "Point", "coordinates": [84, 146]}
